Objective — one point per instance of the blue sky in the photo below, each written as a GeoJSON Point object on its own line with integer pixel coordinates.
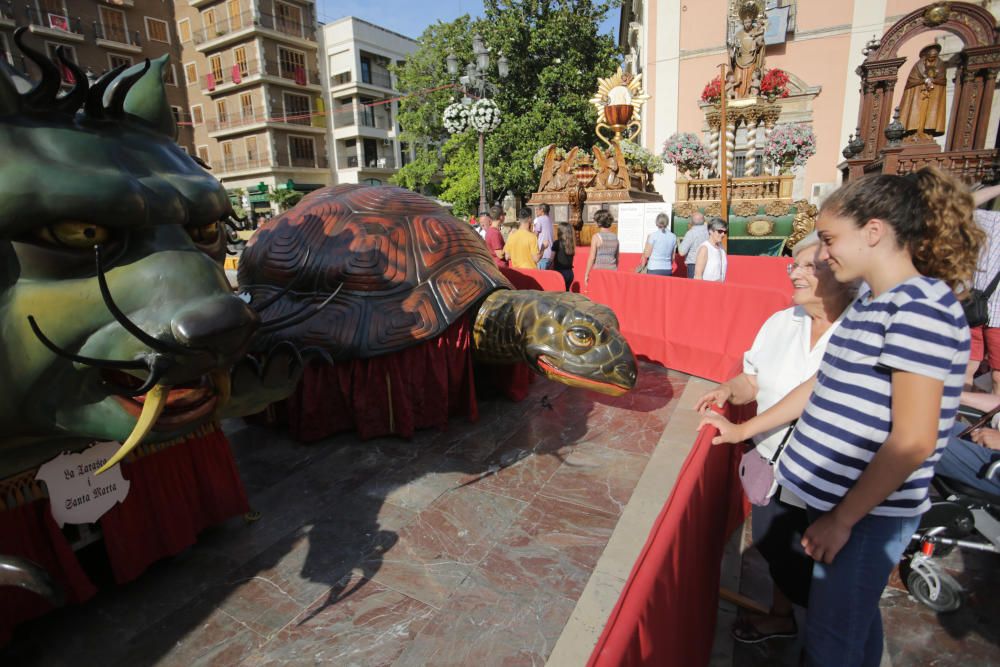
{"type": "Point", "coordinates": [410, 17]}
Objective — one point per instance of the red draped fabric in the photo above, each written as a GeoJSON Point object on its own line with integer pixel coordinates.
{"type": "Point", "coordinates": [174, 494]}
{"type": "Point", "coordinates": [692, 326]}
{"type": "Point", "coordinates": [30, 532]}
{"type": "Point", "coordinates": [666, 613]}
{"type": "Point", "coordinates": [176, 490]}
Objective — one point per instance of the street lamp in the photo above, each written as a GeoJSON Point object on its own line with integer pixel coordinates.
{"type": "Point", "coordinates": [474, 80]}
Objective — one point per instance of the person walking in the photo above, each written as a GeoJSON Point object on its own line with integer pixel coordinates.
{"type": "Point", "coordinates": [563, 251]}
{"type": "Point", "coordinates": [658, 255]}
{"type": "Point", "coordinates": [697, 234]}
{"type": "Point", "coordinates": [603, 246]}
{"type": "Point", "coordinates": [542, 226]}
{"type": "Point", "coordinates": [522, 245]}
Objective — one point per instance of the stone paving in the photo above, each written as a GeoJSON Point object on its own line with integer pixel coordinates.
{"type": "Point", "coordinates": [500, 542]}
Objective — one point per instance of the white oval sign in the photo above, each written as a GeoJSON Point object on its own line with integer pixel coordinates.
{"type": "Point", "coordinates": [75, 494]}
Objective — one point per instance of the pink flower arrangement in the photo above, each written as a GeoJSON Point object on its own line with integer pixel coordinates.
{"type": "Point", "coordinates": [791, 139]}
{"type": "Point", "coordinates": [685, 150]}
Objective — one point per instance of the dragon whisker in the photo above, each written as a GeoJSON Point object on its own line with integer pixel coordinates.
{"type": "Point", "coordinates": [299, 316]}
{"type": "Point", "coordinates": [285, 290]}
{"type": "Point", "coordinates": [88, 361]}
{"type": "Point", "coordinates": [127, 324]}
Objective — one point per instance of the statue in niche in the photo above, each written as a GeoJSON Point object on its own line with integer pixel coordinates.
{"type": "Point", "coordinates": [922, 108]}
{"type": "Point", "coordinates": [746, 53]}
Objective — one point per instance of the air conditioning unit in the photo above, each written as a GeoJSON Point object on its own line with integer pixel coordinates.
{"type": "Point", "coordinates": [387, 142]}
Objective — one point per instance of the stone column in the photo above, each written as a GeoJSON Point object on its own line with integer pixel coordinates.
{"type": "Point", "coordinates": [730, 146]}
{"type": "Point", "coordinates": [751, 163]}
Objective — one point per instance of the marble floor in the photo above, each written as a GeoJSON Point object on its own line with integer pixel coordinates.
{"type": "Point", "coordinates": [468, 546]}
{"type": "Point", "coordinates": [500, 542]}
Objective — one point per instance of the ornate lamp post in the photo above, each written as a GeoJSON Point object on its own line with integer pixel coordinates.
{"type": "Point", "coordinates": [484, 115]}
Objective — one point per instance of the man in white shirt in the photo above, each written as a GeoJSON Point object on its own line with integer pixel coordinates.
{"type": "Point", "coordinates": [485, 222]}
{"type": "Point", "coordinates": [542, 226]}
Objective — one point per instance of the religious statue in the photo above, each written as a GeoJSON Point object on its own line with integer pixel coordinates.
{"type": "Point", "coordinates": [557, 171]}
{"type": "Point", "coordinates": [922, 108]}
{"type": "Point", "coordinates": [612, 173]}
{"type": "Point", "coordinates": [747, 50]}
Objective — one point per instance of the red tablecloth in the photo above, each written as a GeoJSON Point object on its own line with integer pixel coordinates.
{"type": "Point", "coordinates": [666, 613]}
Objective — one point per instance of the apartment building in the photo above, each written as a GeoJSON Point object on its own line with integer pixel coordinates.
{"type": "Point", "coordinates": [255, 99]}
{"type": "Point", "coordinates": [98, 36]}
{"type": "Point", "coordinates": [364, 134]}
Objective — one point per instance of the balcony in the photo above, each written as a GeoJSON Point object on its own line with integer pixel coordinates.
{"type": "Point", "coordinates": [227, 80]}
{"type": "Point", "coordinates": [225, 27]}
{"type": "Point", "coordinates": [377, 76]}
{"type": "Point", "coordinates": [341, 79]}
{"type": "Point", "coordinates": [343, 117]}
{"type": "Point", "coordinates": [113, 37]}
{"type": "Point", "coordinates": [299, 75]}
{"type": "Point", "coordinates": [57, 26]}
{"type": "Point", "coordinates": [379, 162]}
{"type": "Point", "coordinates": [303, 162]}
{"type": "Point", "coordinates": [286, 27]}
{"type": "Point", "coordinates": [230, 165]}
{"type": "Point", "coordinates": [749, 188]}
{"type": "Point", "coordinates": [236, 122]}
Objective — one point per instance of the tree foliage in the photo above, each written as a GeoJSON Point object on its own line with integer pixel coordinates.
{"type": "Point", "coordinates": [555, 55]}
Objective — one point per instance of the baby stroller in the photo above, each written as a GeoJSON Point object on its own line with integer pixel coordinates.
{"type": "Point", "coordinates": [963, 517]}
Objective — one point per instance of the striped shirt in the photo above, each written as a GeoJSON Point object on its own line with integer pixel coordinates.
{"type": "Point", "coordinates": [917, 327]}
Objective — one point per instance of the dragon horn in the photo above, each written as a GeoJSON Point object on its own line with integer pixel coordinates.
{"type": "Point", "coordinates": [153, 406]}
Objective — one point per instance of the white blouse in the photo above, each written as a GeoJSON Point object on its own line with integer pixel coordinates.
{"type": "Point", "coordinates": [715, 265]}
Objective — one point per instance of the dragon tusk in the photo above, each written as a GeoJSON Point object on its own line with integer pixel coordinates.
{"type": "Point", "coordinates": [223, 387]}
{"type": "Point", "coordinates": [155, 401]}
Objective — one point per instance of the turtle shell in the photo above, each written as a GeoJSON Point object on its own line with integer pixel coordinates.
{"type": "Point", "coordinates": [407, 267]}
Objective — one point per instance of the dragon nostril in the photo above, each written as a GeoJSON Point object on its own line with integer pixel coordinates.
{"type": "Point", "coordinates": [222, 324]}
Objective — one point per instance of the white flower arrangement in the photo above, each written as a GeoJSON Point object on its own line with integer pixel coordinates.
{"type": "Point", "coordinates": [456, 118]}
{"type": "Point", "coordinates": [484, 116]}
{"type": "Point", "coordinates": [539, 159]}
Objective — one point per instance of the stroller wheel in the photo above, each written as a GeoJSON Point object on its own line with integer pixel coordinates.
{"type": "Point", "coordinates": [949, 597]}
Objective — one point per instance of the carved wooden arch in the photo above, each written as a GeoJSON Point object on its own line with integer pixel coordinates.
{"type": "Point", "coordinates": [976, 76]}
{"type": "Point", "coordinates": [972, 24]}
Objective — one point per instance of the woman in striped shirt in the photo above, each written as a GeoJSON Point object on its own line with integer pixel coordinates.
{"type": "Point", "coordinates": [877, 415]}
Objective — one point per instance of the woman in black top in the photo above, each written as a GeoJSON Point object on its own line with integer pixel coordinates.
{"type": "Point", "coordinates": [562, 252]}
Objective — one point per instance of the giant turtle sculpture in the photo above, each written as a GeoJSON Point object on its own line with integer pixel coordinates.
{"type": "Point", "coordinates": [406, 269]}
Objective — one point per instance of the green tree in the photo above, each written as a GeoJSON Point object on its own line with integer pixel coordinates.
{"type": "Point", "coordinates": [284, 198]}
{"type": "Point", "coordinates": [555, 54]}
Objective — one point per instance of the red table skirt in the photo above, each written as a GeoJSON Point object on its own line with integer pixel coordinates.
{"type": "Point", "coordinates": [399, 393]}
{"type": "Point", "coordinates": [177, 490]}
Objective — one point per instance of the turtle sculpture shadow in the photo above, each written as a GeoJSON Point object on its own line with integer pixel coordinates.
{"type": "Point", "coordinates": [403, 270]}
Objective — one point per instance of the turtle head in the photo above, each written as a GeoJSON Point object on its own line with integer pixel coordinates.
{"type": "Point", "coordinates": [563, 336]}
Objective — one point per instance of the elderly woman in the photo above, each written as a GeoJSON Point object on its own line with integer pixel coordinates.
{"type": "Point", "coordinates": [786, 352]}
{"type": "Point", "coordinates": [658, 255]}
{"type": "Point", "coordinates": [711, 262]}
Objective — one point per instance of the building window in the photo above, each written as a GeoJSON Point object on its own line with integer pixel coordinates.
{"type": "Point", "coordinates": [69, 53]}
{"type": "Point", "coordinates": [157, 30]}
{"type": "Point", "coordinates": [297, 109]}
{"type": "Point", "coordinates": [215, 64]}
{"type": "Point", "coordinates": [203, 154]}
{"type": "Point", "coordinates": [240, 60]}
{"type": "Point", "coordinates": [235, 16]}
{"type": "Point", "coordinates": [292, 64]}
{"type": "Point", "coordinates": [366, 70]}
{"type": "Point", "coordinates": [184, 31]}
{"type": "Point", "coordinates": [227, 154]}
{"type": "Point", "coordinates": [196, 115]}
{"type": "Point", "coordinates": [208, 20]}
{"type": "Point", "coordinates": [302, 151]}
{"type": "Point", "coordinates": [221, 112]}
{"type": "Point", "coordinates": [178, 114]}
{"type": "Point", "coordinates": [251, 148]}
{"type": "Point", "coordinates": [740, 164]}
{"type": "Point", "coordinates": [170, 75]}
{"type": "Point", "coordinates": [289, 18]}
{"type": "Point", "coordinates": [191, 73]}
{"type": "Point", "coordinates": [246, 105]}
{"type": "Point", "coordinates": [113, 25]}
{"type": "Point", "coordinates": [116, 61]}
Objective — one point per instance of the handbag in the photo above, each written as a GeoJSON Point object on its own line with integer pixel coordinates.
{"type": "Point", "coordinates": [977, 306]}
{"type": "Point", "coordinates": [757, 472]}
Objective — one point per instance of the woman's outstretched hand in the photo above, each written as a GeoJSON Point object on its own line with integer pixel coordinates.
{"type": "Point", "coordinates": [717, 396]}
{"type": "Point", "coordinates": [728, 431]}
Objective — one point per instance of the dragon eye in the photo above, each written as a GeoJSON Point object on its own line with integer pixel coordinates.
{"type": "Point", "coordinates": [580, 337]}
{"type": "Point", "coordinates": [204, 234]}
{"type": "Point", "coordinates": [76, 235]}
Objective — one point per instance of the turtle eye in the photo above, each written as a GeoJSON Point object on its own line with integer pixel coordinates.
{"type": "Point", "coordinates": [579, 337]}
{"type": "Point", "coordinates": [204, 234]}
{"type": "Point", "coordinates": [74, 235]}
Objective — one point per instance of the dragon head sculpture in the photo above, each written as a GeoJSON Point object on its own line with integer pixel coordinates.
{"type": "Point", "coordinates": [116, 318]}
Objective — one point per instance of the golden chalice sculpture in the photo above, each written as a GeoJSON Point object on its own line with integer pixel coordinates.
{"type": "Point", "coordinates": [618, 101]}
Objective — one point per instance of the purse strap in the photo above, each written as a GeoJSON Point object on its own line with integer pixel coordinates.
{"type": "Point", "coordinates": [992, 287]}
{"type": "Point", "coordinates": [784, 441]}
